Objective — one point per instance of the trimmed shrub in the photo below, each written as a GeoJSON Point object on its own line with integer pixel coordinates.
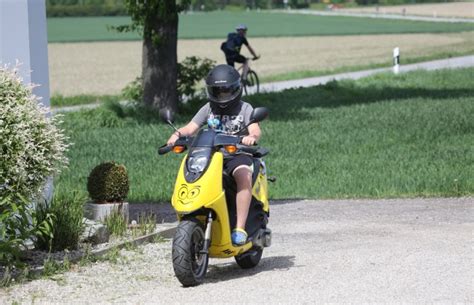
{"type": "Point", "coordinates": [108, 182]}
{"type": "Point", "coordinates": [32, 146]}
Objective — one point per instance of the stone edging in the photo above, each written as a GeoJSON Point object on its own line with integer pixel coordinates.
{"type": "Point", "coordinates": [166, 231]}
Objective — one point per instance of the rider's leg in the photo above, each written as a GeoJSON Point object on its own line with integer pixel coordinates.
{"type": "Point", "coordinates": [245, 67]}
{"type": "Point", "coordinates": [243, 179]}
{"type": "Point", "coordinates": [240, 168]}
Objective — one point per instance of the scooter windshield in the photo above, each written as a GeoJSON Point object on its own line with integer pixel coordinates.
{"type": "Point", "coordinates": [199, 155]}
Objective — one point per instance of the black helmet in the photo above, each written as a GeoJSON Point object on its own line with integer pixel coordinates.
{"type": "Point", "coordinates": [223, 86]}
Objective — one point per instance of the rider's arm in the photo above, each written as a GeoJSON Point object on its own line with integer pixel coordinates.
{"type": "Point", "coordinates": [254, 134]}
{"type": "Point", "coordinates": [185, 131]}
{"type": "Point", "coordinates": [252, 51]}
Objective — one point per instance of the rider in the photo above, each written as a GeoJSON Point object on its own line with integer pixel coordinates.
{"type": "Point", "coordinates": [227, 112]}
{"type": "Point", "coordinates": [231, 47]}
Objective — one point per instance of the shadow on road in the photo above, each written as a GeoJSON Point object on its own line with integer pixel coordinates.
{"type": "Point", "coordinates": [230, 271]}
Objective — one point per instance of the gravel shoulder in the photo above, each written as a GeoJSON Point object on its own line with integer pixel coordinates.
{"type": "Point", "coordinates": [392, 250]}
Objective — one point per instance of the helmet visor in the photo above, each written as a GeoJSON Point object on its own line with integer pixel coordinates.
{"type": "Point", "coordinates": [223, 94]}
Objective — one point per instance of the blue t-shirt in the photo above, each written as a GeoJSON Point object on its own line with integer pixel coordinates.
{"type": "Point", "coordinates": [234, 42]}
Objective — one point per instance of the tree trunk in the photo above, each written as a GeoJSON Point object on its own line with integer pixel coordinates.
{"type": "Point", "coordinates": [159, 66]}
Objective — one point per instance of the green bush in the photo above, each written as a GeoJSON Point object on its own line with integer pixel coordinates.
{"type": "Point", "coordinates": [134, 90]}
{"type": "Point", "coordinates": [18, 223]}
{"type": "Point", "coordinates": [108, 182]}
{"type": "Point", "coordinates": [190, 71]}
{"type": "Point", "coordinates": [116, 222]}
{"type": "Point", "coordinates": [67, 211]}
{"type": "Point", "coordinates": [32, 146]}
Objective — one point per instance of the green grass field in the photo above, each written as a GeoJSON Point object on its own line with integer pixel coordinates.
{"type": "Point", "coordinates": [263, 24]}
{"type": "Point", "coordinates": [384, 136]}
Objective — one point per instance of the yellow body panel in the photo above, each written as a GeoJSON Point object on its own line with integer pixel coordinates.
{"type": "Point", "coordinates": [208, 192]}
{"type": "Point", "coordinates": [189, 197]}
{"type": "Point", "coordinates": [260, 190]}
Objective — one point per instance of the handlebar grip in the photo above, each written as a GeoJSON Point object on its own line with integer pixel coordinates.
{"type": "Point", "coordinates": [164, 149]}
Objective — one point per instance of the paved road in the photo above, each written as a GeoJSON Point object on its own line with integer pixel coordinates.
{"type": "Point", "coordinates": [358, 251]}
{"type": "Point", "coordinates": [451, 63]}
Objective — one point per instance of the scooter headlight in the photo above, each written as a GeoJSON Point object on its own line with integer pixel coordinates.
{"type": "Point", "coordinates": [197, 164]}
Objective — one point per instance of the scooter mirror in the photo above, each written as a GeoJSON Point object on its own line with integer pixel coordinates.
{"type": "Point", "coordinates": [166, 115]}
{"type": "Point", "coordinates": [259, 114]}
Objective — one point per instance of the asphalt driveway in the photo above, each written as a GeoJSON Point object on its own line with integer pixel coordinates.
{"type": "Point", "coordinates": [338, 251]}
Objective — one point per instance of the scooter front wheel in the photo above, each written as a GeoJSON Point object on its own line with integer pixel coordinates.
{"type": "Point", "coordinates": [189, 261]}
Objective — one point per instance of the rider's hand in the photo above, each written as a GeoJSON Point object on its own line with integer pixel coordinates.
{"type": "Point", "coordinates": [256, 57]}
{"type": "Point", "coordinates": [249, 140]}
{"type": "Point", "coordinates": [172, 139]}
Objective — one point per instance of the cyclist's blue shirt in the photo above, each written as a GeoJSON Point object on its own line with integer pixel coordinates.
{"type": "Point", "coordinates": [234, 42]}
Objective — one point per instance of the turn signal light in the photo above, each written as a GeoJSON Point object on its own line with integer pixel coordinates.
{"type": "Point", "coordinates": [230, 148]}
{"type": "Point", "coordinates": [178, 149]}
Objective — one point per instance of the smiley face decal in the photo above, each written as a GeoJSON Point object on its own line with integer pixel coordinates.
{"type": "Point", "coordinates": [187, 195]}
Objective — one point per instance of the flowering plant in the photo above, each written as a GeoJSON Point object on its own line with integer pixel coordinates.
{"type": "Point", "coordinates": [32, 146]}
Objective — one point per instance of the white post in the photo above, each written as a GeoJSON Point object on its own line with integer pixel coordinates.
{"type": "Point", "coordinates": [24, 39]}
{"type": "Point", "coordinates": [396, 60]}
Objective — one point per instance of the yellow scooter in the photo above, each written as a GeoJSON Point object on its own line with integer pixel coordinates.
{"type": "Point", "coordinates": [204, 201]}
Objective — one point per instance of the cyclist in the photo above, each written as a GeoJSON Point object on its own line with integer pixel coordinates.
{"type": "Point", "coordinates": [231, 47]}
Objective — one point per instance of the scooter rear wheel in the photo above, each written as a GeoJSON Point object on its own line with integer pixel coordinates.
{"type": "Point", "coordinates": [189, 263]}
{"type": "Point", "coordinates": [249, 259]}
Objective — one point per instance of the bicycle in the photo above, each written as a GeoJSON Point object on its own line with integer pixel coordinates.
{"type": "Point", "coordinates": [249, 77]}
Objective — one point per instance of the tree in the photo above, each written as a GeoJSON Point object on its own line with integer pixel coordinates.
{"type": "Point", "coordinates": [157, 22]}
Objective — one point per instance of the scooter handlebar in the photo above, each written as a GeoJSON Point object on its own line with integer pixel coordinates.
{"type": "Point", "coordinates": [164, 149]}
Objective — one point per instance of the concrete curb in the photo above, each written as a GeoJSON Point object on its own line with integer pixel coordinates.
{"type": "Point", "coordinates": [164, 231]}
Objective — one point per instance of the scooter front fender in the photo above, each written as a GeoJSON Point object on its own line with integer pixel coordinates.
{"type": "Point", "coordinates": [190, 197]}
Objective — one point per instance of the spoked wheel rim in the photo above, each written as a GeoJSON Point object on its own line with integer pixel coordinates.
{"type": "Point", "coordinates": [252, 81]}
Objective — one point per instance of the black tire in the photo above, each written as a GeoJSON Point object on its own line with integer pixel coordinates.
{"type": "Point", "coordinates": [249, 259]}
{"type": "Point", "coordinates": [189, 265]}
{"type": "Point", "coordinates": [252, 82]}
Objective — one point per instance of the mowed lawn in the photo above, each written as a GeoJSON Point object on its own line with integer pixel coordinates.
{"type": "Point", "coordinates": [261, 24]}
{"type": "Point", "coordinates": [383, 136]}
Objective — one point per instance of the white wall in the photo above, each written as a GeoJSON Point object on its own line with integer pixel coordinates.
{"type": "Point", "coordinates": [23, 37]}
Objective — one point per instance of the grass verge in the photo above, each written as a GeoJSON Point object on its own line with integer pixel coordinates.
{"type": "Point", "coordinates": [62, 101]}
{"type": "Point", "coordinates": [383, 136]}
